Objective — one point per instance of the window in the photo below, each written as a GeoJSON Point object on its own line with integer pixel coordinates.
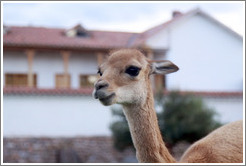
{"type": "Point", "coordinates": [80, 33]}
{"type": "Point", "coordinates": [87, 80]}
{"type": "Point", "coordinates": [63, 81]}
{"type": "Point", "coordinates": [77, 31]}
{"type": "Point", "coordinates": [19, 80]}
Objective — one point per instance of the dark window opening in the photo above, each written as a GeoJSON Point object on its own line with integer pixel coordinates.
{"type": "Point", "coordinates": [82, 34]}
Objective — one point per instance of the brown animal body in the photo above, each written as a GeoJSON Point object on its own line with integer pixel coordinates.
{"type": "Point", "coordinates": [125, 80]}
{"type": "Point", "coordinates": [223, 145]}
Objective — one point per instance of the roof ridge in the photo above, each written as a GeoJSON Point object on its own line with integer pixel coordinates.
{"type": "Point", "coordinates": [155, 29]}
{"type": "Point", "coordinates": [34, 27]}
{"type": "Point", "coordinates": [59, 28]}
{"type": "Point", "coordinates": [144, 35]}
{"type": "Point", "coordinates": [52, 38]}
{"type": "Point", "coordinates": [175, 18]}
{"type": "Point", "coordinates": [132, 39]}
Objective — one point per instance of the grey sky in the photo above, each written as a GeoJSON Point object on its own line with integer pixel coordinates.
{"type": "Point", "coordinates": [116, 16]}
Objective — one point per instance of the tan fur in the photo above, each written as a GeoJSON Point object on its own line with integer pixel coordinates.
{"type": "Point", "coordinates": [136, 97]}
{"type": "Point", "coordinates": [223, 145]}
{"type": "Point", "coordinates": [145, 132]}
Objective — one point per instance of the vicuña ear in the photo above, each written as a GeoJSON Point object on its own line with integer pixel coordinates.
{"type": "Point", "coordinates": [163, 67]}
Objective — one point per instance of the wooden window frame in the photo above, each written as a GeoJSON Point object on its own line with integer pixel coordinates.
{"type": "Point", "coordinates": [60, 81]}
{"type": "Point", "coordinates": [17, 81]}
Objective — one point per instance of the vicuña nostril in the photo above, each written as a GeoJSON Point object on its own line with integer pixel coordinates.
{"type": "Point", "coordinates": [101, 85]}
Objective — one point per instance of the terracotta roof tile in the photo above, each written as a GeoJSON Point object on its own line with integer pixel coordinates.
{"type": "Point", "coordinates": [142, 37]}
{"type": "Point", "coordinates": [146, 34]}
{"type": "Point", "coordinates": [52, 37]}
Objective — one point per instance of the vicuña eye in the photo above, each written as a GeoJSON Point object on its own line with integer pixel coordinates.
{"type": "Point", "coordinates": [99, 72]}
{"type": "Point", "coordinates": [132, 71]}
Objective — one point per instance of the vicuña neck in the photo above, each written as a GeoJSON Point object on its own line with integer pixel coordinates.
{"type": "Point", "coordinates": [145, 132]}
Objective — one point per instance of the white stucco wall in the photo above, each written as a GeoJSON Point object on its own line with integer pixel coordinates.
{"type": "Point", "coordinates": [54, 116]}
{"type": "Point", "coordinates": [68, 116]}
{"type": "Point", "coordinates": [209, 57]}
{"type": "Point", "coordinates": [81, 64]}
{"type": "Point", "coordinates": [228, 109]}
{"type": "Point", "coordinates": [160, 40]}
{"type": "Point", "coordinates": [47, 64]}
{"type": "Point", "coordinates": [14, 62]}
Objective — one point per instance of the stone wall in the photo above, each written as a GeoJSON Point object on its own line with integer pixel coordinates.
{"type": "Point", "coordinates": [64, 150]}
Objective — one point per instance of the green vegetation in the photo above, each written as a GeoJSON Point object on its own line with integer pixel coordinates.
{"type": "Point", "coordinates": [120, 130]}
{"type": "Point", "coordinates": [183, 118]}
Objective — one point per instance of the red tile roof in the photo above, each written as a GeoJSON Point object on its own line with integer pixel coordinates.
{"type": "Point", "coordinates": [53, 37]}
{"type": "Point", "coordinates": [142, 37]}
{"type": "Point", "coordinates": [56, 38]}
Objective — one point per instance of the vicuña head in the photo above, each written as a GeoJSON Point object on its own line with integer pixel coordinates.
{"type": "Point", "coordinates": [125, 77]}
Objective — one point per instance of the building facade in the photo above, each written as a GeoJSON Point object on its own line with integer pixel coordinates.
{"type": "Point", "coordinates": [48, 74]}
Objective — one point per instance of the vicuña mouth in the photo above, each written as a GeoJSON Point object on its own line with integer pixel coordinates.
{"type": "Point", "coordinates": [107, 100]}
